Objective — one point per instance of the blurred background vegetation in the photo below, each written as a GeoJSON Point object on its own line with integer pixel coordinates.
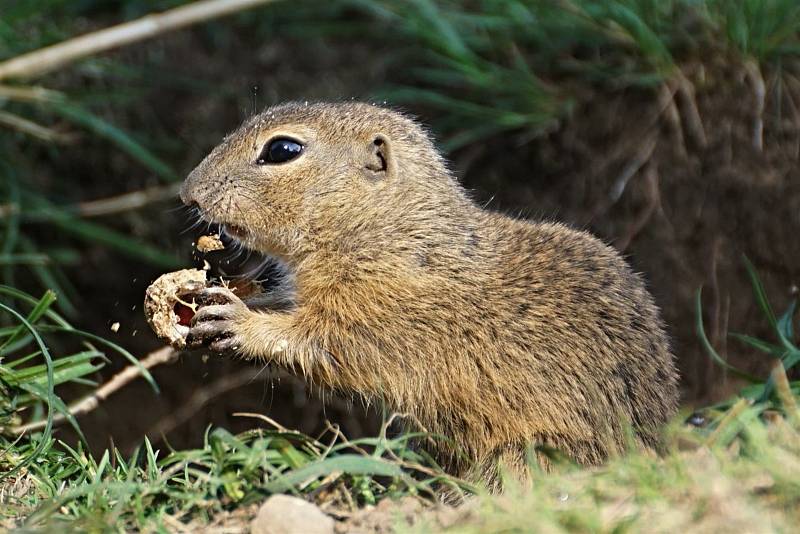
{"type": "Point", "coordinates": [668, 127]}
{"type": "Point", "coordinates": [671, 128]}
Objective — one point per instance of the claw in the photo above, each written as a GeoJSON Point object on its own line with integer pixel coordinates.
{"type": "Point", "coordinates": [212, 312]}
{"type": "Point", "coordinates": [207, 332]}
{"type": "Point", "coordinates": [214, 324]}
{"type": "Point", "coordinates": [228, 344]}
{"type": "Point", "coordinates": [208, 329]}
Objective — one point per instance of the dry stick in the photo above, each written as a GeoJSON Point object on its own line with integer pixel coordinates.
{"type": "Point", "coordinates": [663, 106]}
{"type": "Point", "coordinates": [86, 405]}
{"type": "Point", "coordinates": [653, 198]}
{"type": "Point", "coordinates": [29, 94]}
{"type": "Point", "coordinates": [31, 128]}
{"type": "Point", "coordinates": [111, 205]}
{"type": "Point", "coordinates": [760, 93]}
{"type": "Point", "coordinates": [46, 59]}
{"type": "Point", "coordinates": [691, 116]}
{"type": "Point", "coordinates": [639, 160]}
{"type": "Point", "coordinates": [127, 201]}
{"type": "Point", "coordinates": [279, 427]}
{"type": "Point", "coordinates": [666, 97]}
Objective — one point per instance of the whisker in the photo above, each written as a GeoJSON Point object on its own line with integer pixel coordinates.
{"type": "Point", "coordinates": [237, 254]}
{"type": "Point", "coordinates": [198, 220]}
{"type": "Point", "coordinates": [249, 254]}
{"type": "Point", "coordinates": [179, 207]}
{"type": "Point", "coordinates": [257, 270]}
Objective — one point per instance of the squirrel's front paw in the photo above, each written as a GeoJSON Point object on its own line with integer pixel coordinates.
{"type": "Point", "coordinates": [218, 325]}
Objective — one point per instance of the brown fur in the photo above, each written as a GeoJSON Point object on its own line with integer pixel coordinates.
{"type": "Point", "coordinates": [495, 332]}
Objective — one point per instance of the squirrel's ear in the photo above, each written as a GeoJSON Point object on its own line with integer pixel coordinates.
{"type": "Point", "coordinates": [380, 162]}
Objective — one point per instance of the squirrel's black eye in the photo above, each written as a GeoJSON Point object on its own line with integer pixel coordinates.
{"type": "Point", "coordinates": [279, 151]}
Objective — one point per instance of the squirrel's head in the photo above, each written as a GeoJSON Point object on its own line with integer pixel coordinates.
{"type": "Point", "coordinates": [286, 175]}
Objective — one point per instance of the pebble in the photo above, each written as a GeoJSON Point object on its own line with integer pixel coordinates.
{"type": "Point", "coordinates": [284, 514]}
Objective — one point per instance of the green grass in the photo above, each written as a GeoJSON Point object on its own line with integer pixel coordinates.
{"type": "Point", "coordinates": [229, 471]}
{"type": "Point", "coordinates": [63, 483]}
{"type": "Point", "coordinates": [495, 66]}
{"type": "Point", "coordinates": [767, 30]}
{"type": "Point", "coordinates": [30, 371]}
{"type": "Point", "coordinates": [750, 479]}
{"type": "Point", "coordinates": [749, 484]}
{"type": "Point", "coordinates": [742, 466]}
{"type": "Point", "coordinates": [783, 350]}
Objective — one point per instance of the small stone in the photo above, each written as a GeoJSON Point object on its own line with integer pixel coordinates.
{"type": "Point", "coordinates": [284, 514]}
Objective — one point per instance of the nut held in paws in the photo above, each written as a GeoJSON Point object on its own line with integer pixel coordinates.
{"type": "Point", "coordinates": [168, 304]}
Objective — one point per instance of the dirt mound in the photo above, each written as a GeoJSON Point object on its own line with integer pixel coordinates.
{"type": "Point", "coordinates": [684, 183]}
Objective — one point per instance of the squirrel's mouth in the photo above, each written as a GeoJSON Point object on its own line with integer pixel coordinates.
{"type": "Point", "coordinates": [236, 232]}
{"type": "Point", "coordinates": [233, 231]}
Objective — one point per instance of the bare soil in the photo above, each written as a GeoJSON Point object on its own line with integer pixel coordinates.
{"type": "Point", "coordinates": [680, 184]}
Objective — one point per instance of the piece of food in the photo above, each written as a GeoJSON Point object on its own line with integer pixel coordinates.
{"type": "Point", "coordinates": [115, 327]}
{"type": "Point", "coordinates": [208, 243]}
{"type": "Point", "coordinates": [169, 304]}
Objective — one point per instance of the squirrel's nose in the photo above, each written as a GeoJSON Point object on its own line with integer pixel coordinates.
{"type": "Point", "coordinates": [186, 198]}
{"type": "Point", "coordinates": [189, 188]}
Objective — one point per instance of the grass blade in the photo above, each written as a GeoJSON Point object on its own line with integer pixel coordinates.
{"type": "Point", "coordinates": [348, 463]}
{"type": "Point", "coordinates": [117, 348]}
{"type": "Point", "coordinates": [763, 303]}
{"type": "Point", "coordinates": [710, 349]}
{"type": "Point", "coordinates": [102, 128]}
{"type": "Point", "coordinates": [50, 395]}
{"type": "Point", "coordinates": [39, 309]}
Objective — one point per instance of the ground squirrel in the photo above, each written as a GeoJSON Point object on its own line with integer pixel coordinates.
{"type": "Point", "coordinates": [497, 333]}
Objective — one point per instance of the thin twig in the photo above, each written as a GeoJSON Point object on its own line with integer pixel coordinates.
{"type": "Point", "coordinates": [664, 106]}
{"type": "Point", "coordinates": [639, 160]}
{"type": "Point", "coordinates": [691, 116]}
{"type": "Point", "coordinates": [111, 205]}
{"type": "Point", "coordinates": [33, 129]}
{"type": "Point", "coordinates": [343, 439]}
{"type": "Point", "coordinates": [760, 94]}
{"type": "Point", "coordinates": [29, 94]}
{"type": "Point", "coordinates": [653, 198]}
{"type": "Point", "coordinates": [127, 201]}
{"type": "Point", "coordinates": [86, 405]}
{"type": "Point", "coordinates": [279, 427]}
{"type": "Point", "coordinates": [672, 116]}
{"type": "Point", "coordinates": [46, 59]}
